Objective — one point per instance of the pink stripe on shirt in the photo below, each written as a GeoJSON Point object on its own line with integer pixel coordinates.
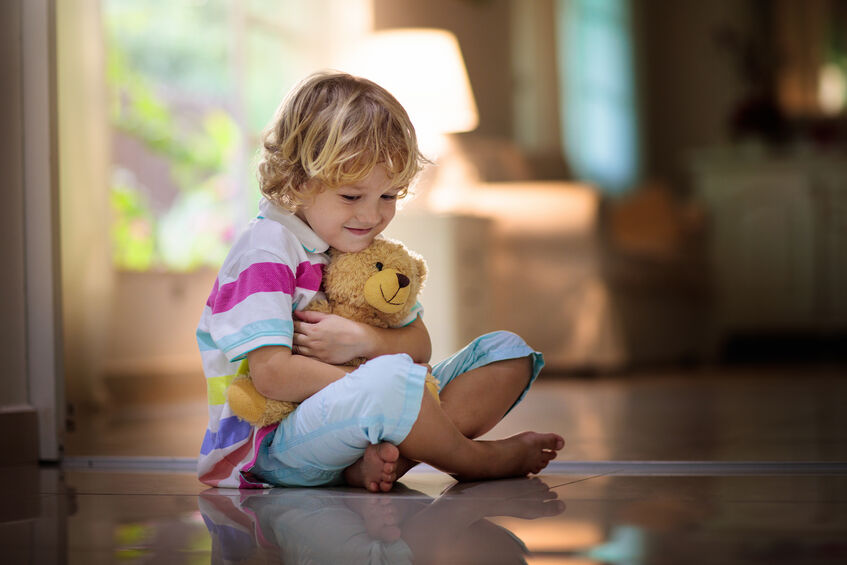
{"type": "Point", "coordinates": [264, 277]}
{"type": "Point", "coordinates": [309, 275]}
{"type": "Point", "coordinates": [259, 277]}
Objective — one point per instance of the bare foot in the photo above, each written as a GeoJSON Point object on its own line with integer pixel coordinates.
{"type": "Point", "coordinates": [376, 470]}
{"type": "Point", "coordinates": [517, 456]}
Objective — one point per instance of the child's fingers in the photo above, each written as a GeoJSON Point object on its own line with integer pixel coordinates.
{"type": "Point", "coordinates": [301, 349]}
{"type": "Point", "coordinates": [309, 316]}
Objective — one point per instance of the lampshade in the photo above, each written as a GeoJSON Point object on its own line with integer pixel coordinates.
{"type": "Point", "coordinates": [424, 70]}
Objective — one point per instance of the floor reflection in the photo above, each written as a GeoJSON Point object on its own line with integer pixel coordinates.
{"type": "Point", "coordinates": [53, 516]}
{"type": "Point", "coordinates": [405, 526]}
{"type": "Point", "coordinates": [738, 466]}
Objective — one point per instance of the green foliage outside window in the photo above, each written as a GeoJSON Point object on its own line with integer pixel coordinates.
{"type": "Point", "coordinates": [158, 54]}
{"type": "Point", "coordinates": [193, 83]}
{"type": "Point", "coordinates": [133, 246]}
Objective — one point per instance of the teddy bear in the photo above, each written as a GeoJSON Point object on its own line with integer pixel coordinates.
{"type": "Point", "coordinates": [378, 286]}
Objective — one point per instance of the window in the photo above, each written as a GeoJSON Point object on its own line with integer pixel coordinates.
{"type": "Point", "coordinates": [191, 85]}
{"type": "Point", "coordinates": [600, 126]}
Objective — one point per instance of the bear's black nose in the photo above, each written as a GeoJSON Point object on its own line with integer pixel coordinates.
{"type": "Point", "coordinates": [402, 280]}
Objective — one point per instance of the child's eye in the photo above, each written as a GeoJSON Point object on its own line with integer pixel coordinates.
{"type": "Point", "coordinates": [350, 197]}
{"type": "Point", "coordinates": [389, 197]}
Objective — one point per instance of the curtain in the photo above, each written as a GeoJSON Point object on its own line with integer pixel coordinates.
{"type": "Point", "coordinates": [598, 93]}
{"type": "Point", "coordinates": [87, 274]}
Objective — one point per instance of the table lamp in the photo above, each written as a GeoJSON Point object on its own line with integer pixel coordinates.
{"type": "Point", "coordinates": [424, 69]}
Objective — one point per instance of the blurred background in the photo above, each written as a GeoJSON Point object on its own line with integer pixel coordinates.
{"type": "Point", "coordinates": [628, 184]}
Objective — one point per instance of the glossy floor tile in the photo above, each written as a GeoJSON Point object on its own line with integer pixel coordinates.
{"type": "Point", "coordinates": [741, 465]}
{"type": "Point", "coordinates": [780, 413]}
{"type": "Point", "coordinates": [55, 516]}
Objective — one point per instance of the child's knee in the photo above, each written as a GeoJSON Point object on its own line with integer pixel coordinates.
{"type": "Point", "coordinates": [518, 370]}
{"type": "Point", "coordinates": [503, 344]}
{"type": "Point", "coordinates": [507, 339]}
{"type": "Point", "coordinates": [523, 368]}
{"type": "Point", "coordinates": [521, 361]}
{"type": "Point", "coordinates": [385, 381]}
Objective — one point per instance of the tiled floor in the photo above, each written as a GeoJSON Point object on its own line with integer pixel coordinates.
{"type": "Point", "coordinates": [105, 517]}
{"type": "Point", "coordinates": [730, 466]}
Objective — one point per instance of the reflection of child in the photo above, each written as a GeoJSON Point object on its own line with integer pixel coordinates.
{"type": "Point", "coordinates": [304, 525]}
{"type": "Point", "coordinates": [339, 154]}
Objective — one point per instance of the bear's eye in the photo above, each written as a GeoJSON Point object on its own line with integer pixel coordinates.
{"type": "Point", "coordinates": [379, 266]}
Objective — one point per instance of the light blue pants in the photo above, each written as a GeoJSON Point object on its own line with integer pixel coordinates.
{"type": "Point", "coordinates": [378, 402]}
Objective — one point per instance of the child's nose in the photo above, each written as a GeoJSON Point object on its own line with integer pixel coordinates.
{"type": "Point", "coordinates": [369, 214]}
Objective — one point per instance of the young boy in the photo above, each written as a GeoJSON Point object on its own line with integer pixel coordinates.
{"type": "Point", "coordinates": [340, 152]}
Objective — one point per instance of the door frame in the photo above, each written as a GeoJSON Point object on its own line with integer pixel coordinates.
{"type": "Point", "coordinates": [45, 375]}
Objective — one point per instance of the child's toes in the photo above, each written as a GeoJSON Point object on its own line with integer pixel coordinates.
{"type": "Point", "coordinates": [388, 452]}
{"type": "Point", "coordinates": [553, 441]}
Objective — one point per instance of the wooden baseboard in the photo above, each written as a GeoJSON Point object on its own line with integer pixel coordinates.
{"type": "Point", "coordinates": [19, 444]}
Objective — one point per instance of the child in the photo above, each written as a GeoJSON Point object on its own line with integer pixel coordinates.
{"type": "Point", "coordinates": [340, 152]}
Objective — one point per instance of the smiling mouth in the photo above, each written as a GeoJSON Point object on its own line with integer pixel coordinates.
{"type": "Point", "coordinates": [388, 300]}
{"type": "Point", "coordinates": [359, 231]}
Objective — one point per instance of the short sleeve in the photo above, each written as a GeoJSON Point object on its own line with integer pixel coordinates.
{"type": "Point", "coordinates": [417, 310]}
{"type": "Point", "coordinates": [251, 304]}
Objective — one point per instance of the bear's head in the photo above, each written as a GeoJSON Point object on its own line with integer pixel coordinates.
{"type": "Point", "coordinates": [378, 285]}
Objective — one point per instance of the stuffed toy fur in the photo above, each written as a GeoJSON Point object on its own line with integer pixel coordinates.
{"type": "Point", "coordinates": [378, 286]}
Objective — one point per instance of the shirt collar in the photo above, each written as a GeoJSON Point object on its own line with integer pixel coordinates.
{"type": "Point", "coordinates": [308, 238]}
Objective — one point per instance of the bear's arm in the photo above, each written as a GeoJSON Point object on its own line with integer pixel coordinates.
{"type": "Point", "coordinates": [319, 306]}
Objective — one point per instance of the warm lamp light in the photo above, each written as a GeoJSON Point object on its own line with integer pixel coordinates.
{"type": "Point", "coordinates": [424, 70]}
{"type": "Point", "coordinates": [832, 90]}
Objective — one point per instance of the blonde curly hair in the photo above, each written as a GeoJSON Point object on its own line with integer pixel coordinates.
{"type": "Point", "coordinates": [331, 130]}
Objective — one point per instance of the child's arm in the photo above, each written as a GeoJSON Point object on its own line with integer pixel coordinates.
{"type": "Point", "coordinates": [278, 374]}
{"type": "Point", "coordinates": [412, 339]}
{"type": "Point", "coordinates": [337, 340]}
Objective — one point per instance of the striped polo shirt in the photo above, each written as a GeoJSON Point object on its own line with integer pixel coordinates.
{"type": "Point", "coordinates": [274, 268]}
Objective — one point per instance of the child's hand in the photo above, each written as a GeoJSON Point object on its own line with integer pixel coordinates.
{"type": "Point", "coordinates": [329, 338]}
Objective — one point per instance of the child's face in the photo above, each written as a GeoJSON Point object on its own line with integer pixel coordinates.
{"type": "Point", "coordinates": [350, 217]}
